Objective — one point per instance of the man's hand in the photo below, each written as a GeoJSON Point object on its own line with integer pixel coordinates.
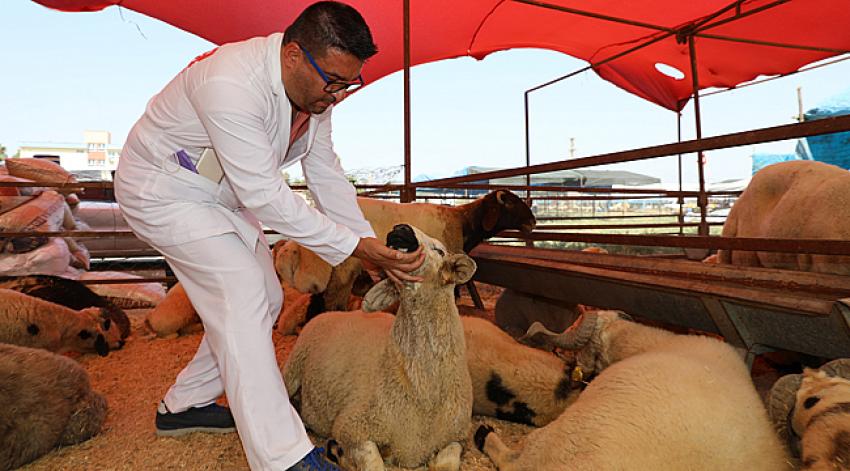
{"type": "Point", "coordinates": [396, 264]}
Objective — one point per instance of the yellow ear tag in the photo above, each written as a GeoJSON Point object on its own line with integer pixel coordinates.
{"type": "Point", "coordinates": [577, 375]}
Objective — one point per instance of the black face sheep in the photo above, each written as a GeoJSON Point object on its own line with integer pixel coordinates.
{"type": "Point", "coordinates": [32, 322]}
{"type": "Point", "coordinates": [459, 228]}
{"type": "Point", "coordinates": [515, 382]}
{"type": "Point", "coordinates": [800, 199]}
{"type": "Point", "coordinates": [46, 402]}
{"type": "Point", "coordinates": [811, 411]}
{"type": "Point", "coordinates": [386, 387]}
{"type": "Point", "coordinates": [68, 293]}
{"type": "Point", "coordinates": [659, 401]}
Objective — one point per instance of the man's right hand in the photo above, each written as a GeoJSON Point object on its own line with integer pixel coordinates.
{"type": "Point", "coordinates": [396, 264]}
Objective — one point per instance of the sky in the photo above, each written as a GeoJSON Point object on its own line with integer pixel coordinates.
{"type": "Point", "coordinates": [65, 73]}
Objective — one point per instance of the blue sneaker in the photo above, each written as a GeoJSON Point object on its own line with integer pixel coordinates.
{"type": "Point", "coordinates": [315, 461]}
{"type": "Point", "coordinates": [211, 419]}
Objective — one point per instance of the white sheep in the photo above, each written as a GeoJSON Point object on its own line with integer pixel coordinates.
{"type": "Point", "coordinates": [660, 401]}
{"type": "Point", "coordinates": [32, 322]}
{"type": "Point", "coordinates": [811, 411]}
{"type": "Point", "coordinates": [800, 199]}
{"type": "Point", "coordinates": [512, 381]}
{"type": "Point", "coordinates": [386, 387]}
{"type": "Point", "coordinates": [459, 228]}
{"type": "Point", "coordinates": [47, 402]}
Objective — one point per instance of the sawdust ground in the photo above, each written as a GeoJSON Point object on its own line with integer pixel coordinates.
{"type": "Point", "coordinates": [136, 377]}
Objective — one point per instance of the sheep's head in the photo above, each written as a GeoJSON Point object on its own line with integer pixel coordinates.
{"type": "Point", "coordinates": [505, 210]}
{"type": "Point", "coordinates": [300, 268]}
{"type": "Point", "coordinates": [588, 337]}
{"type": "Point", "coordinates": [795, 399]}
{"type": "Point", "coordinates": [112, 335]}
{"type": "Point", "coordinates": [439, 270]}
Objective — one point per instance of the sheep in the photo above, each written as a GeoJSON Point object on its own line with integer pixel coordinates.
{"type": "Point", "coordinates": [815, 405]}
{"type": "Point", "coordinates": [124, 295]}
{"type": "Point", "coordinates": [515, 311]}
{"type": "Point", "coordinates": [386, 387]}
{"type": "Point", "coordinates": [511, 381]}
{"type": "Point", "coordinates": [174, 315]}
{"type": "Point", "coordinates": [47, 402]}
{"type": "Point", "coordinates": [460, 228]}
{"type": "Point", "coordinates": [303, 270]}
{"type": "Point", "coordinates": [32, 322]}
{"type": "Point", "coordinates": [660, 401]}
{"type": "Point", "coordinates": [793, 200]}
{"type": "Point", "coordinates": [68, 293]}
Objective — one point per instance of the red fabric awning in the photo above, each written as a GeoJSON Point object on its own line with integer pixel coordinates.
{"type": "Point", "coordinates": [442, 29]}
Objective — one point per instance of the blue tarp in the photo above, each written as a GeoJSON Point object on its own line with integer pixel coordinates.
{"type": "Point", "coordinates": [830, 148]}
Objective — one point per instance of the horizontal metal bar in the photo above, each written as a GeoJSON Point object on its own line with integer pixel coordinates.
{"type": "Point", "coordinates": [811, 246]}
{"type": "Point", "coordinates": [757, 136]}
{"type": "Point", "coordinates": [598, 16]}
{"type": "Point", "coordinates": [80, 234]}
{"type": "Point", "coordinates": [555, 227]}
{"type": "Point", "coordinates": [773, 44]}
{"type": "Point", "coordinates": [117, 281]}
{"type": "Point", "coordinates": [579, 189]}
{"type": "Point", "coordinates": [610, 216]}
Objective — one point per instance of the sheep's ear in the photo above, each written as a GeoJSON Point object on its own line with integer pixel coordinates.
{"type": "Point", "coordinates": [457, 269]}
{"type": "Point", "coordinates": [285, 262]}
{"type": "Point", "coordinates": [381, 296]}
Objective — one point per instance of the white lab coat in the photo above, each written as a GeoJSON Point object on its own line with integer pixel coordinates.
{"type": "Point", "coordinates": [234, 101]}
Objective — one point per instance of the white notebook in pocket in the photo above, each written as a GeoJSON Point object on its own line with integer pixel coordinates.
{"type": "Point", "coordinates": [209, 166]}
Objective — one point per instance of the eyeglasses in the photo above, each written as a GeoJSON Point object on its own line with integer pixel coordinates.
{"type": "Point", "coordinates": [334, 86]}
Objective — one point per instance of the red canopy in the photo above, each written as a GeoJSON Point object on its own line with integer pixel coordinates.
{"type": "Point", "coordinates": [781, 35]}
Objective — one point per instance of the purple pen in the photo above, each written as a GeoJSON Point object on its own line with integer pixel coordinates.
{"type": "Point", "coordinates": [184, 161]}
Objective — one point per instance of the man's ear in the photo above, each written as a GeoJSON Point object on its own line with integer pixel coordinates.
{"type": "Point", "coordinates": [290, 54]}
{"type": "Point", "coordinates": [457, 269]}
{"type": "Point", "coordinates": [381, 296]}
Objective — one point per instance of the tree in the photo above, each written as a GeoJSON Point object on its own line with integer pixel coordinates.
{"type": "Point", "coordinates": [2, 152]}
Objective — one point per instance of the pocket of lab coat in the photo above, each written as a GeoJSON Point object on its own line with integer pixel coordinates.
{"type": "Point", "coordinates": [175, 183]}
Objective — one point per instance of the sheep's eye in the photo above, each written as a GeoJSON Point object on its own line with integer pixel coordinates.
{"type": "Point", "coordinates": [439, 251]}
{"type": "Point", "coordinates": [810, 402]}
{"type": "Point", "coordinates": [107, 323]}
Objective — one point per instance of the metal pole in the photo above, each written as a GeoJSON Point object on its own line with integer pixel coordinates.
{"type": "Point", "coordinates": [527, 151]}
{"type": "Point", "coordinates": [681, 198]}
{"type": "Point", "coordinates": [528, 243]}
{"type": "Point", "coordinates": [407, 194]}
{"type": "Point", "coordinates": [702, 200]}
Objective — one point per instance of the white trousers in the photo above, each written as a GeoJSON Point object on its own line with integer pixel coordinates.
{"type": "Point", "coordinates": [237, 294]}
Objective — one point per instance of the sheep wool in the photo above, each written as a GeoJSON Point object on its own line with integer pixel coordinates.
{"type": "Point", "coordinates": [47, 402]}
{"type": "Point", "coordinates": [401, 383]}
{"type": "Point", "coordinates": [800, 199]}
{"type": "Point", "coordinates": [659, 401]}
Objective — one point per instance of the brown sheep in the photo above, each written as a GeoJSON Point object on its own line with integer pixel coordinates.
{"type": "Point", "coordinates": [47, 402]}
{"type": "Point", "coordinates": [32, 322]}
{"type": "Point", "coordinates": [460, 228]}
{"type": "Point", "coordinates": [811, 411]}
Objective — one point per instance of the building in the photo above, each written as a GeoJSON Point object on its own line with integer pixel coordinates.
{"type": "Point", "coordinates": [93, 159]}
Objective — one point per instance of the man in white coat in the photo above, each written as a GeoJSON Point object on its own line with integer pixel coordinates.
{"type": "Point", "coordinates": [261, 105]}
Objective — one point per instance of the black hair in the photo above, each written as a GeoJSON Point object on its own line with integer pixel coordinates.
{"type": "Point", "coordinates": [330, 24]}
